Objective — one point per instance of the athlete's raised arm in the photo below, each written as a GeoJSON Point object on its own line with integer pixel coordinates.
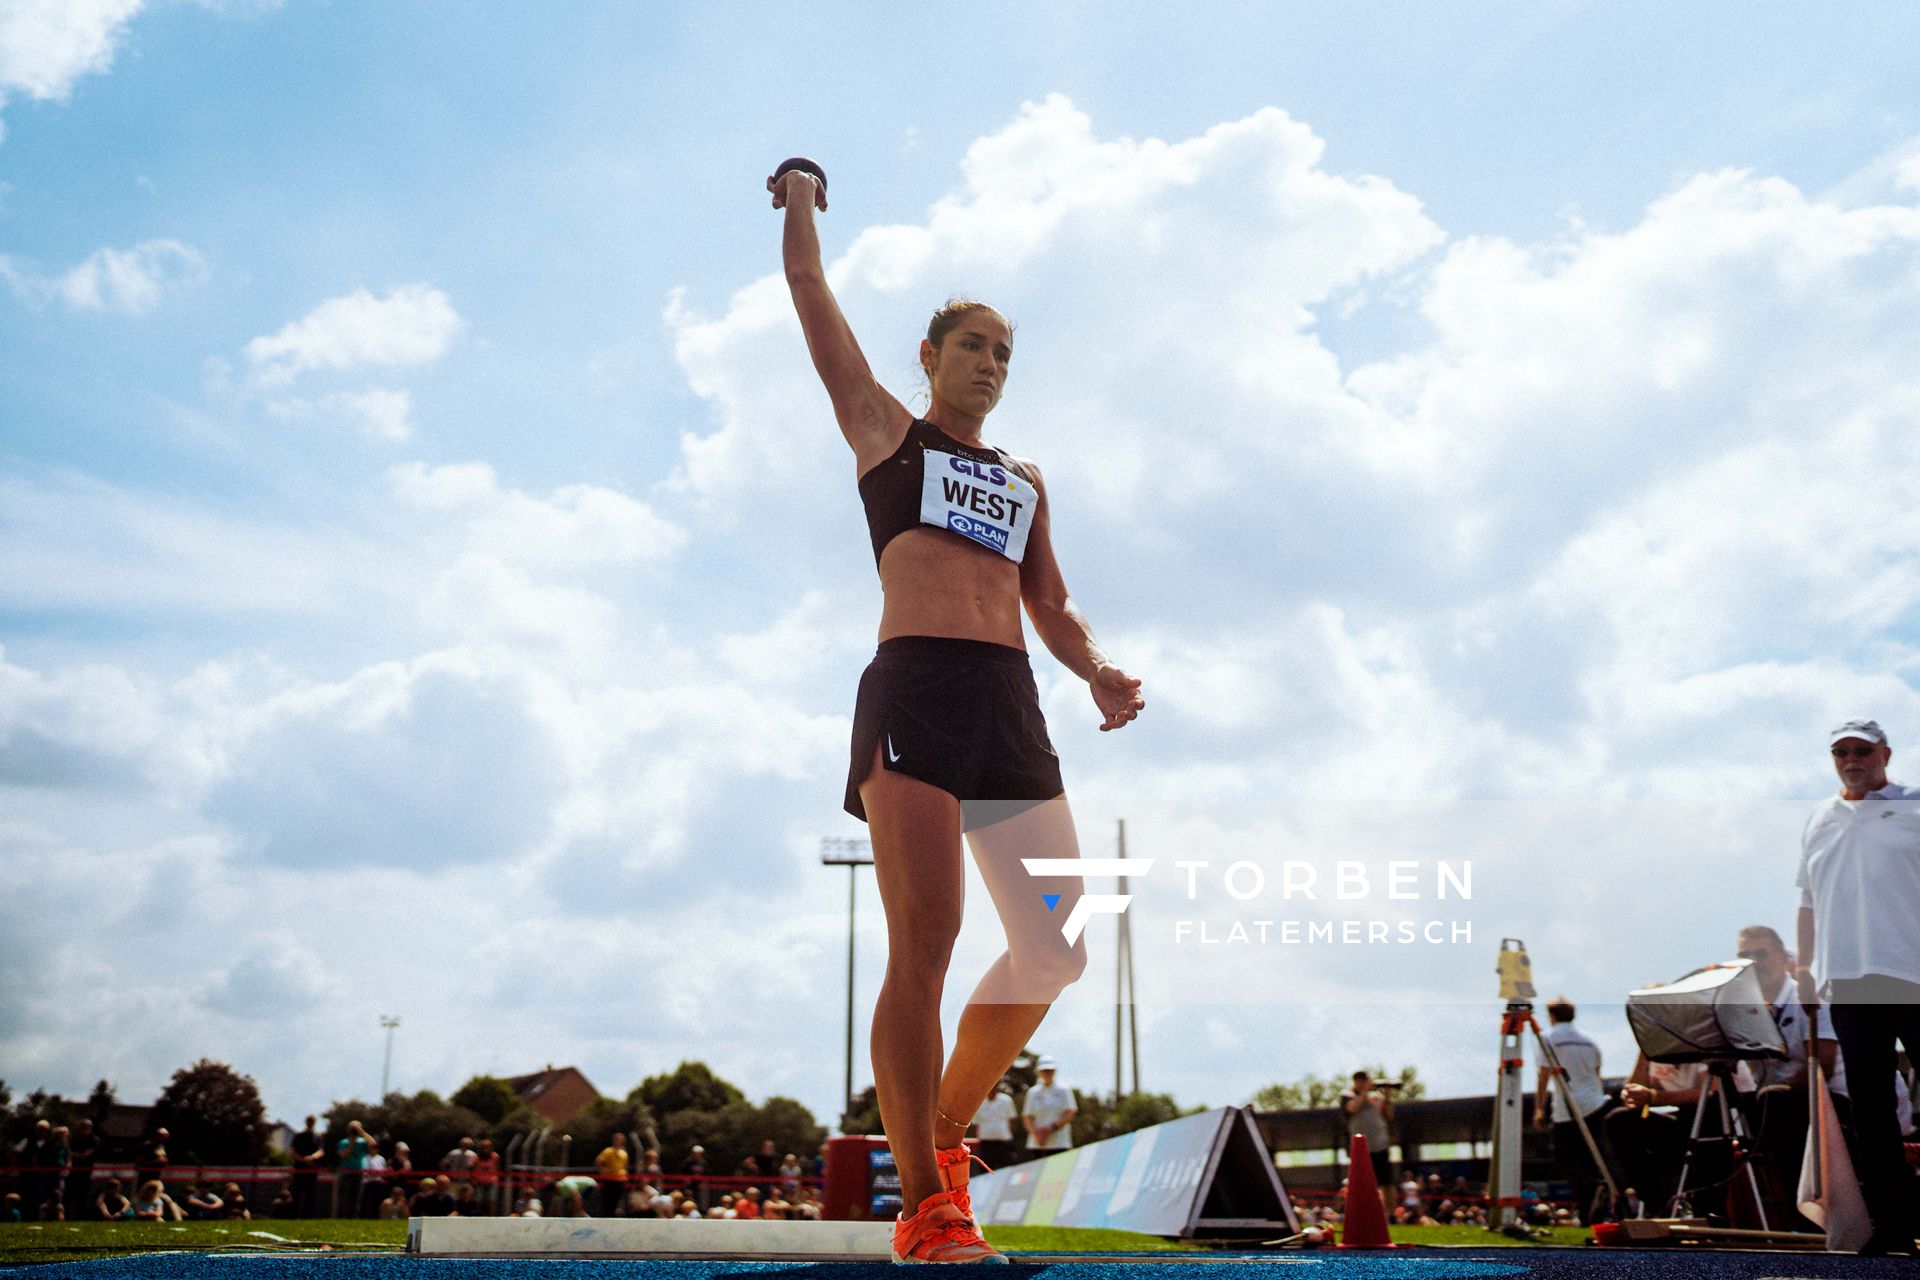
{"type": "Point", "coordinates": [1063, 628]}
{"type": "Point", "coordinates": [867, 413]}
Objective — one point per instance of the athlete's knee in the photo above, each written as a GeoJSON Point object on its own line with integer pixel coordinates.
{"type": "Point", "coordinates": [1043, 968]}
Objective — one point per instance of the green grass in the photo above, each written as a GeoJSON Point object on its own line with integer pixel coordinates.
{"type": "Point", "coordinates": [77, 1241]}
{"type": "Point", "coordinates": [1076, 1240]}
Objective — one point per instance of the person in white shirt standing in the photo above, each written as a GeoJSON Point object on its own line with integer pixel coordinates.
{"type": "Point", "coordinates": [993, 1125]}
{"type": "Point", "coordinates": [1048, 1112]}
{"type": "Point", "coordinates": [1859, 923]}
{"type": "Point", "coordinates": [1579, 1058]}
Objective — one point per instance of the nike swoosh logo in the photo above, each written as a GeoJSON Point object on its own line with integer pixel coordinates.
{"type": "Point", "coordinates": [892, 755]}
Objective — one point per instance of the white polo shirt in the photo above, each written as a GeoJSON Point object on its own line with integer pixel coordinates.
{"type": "Point", "coordinates": [1860, 872]}
{"type": "Point", "coordinates": [1580, 1057]}
{"type": "Point", "coordinates": [1048, 1104]}
{"type": "Point", "coordinates": [995, 1119]}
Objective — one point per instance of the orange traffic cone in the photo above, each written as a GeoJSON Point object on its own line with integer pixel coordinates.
{"type": "Point", "coordinates": [1365, 1223]}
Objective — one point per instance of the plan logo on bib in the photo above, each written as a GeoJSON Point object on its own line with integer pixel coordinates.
{"type": "Point", "coordinates": [1090, 904]}
{"type": "Point", "coordinates": [982, 501]}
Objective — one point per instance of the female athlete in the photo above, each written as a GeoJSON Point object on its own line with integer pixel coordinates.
{"type": "Point", "coordinates": [948, 737]}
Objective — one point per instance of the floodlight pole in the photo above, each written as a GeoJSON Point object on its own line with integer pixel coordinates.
{"type": "Point", "coordinates": [386, 1066]}
{"type": "Point", "coordinates": [851, 853]}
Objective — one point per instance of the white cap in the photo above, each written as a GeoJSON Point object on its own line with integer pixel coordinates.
{"type": "Point", "coordinates": [1864, 729]}
{"type": "Point", "coordinates": [1046, 1064]}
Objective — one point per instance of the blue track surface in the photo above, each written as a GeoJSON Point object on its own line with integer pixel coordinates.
{"type": "Point", "coordinates": [1542, 1264]}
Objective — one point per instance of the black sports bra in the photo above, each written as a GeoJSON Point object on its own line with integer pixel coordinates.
{"type": "Point", "coordinates": [980, 494]}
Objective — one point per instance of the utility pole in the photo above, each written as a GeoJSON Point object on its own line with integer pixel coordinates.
{"type": "Point", "coordinates": [386, 1068]}
{"type": "Point", "coordinates": [851, 853]}
{"type": "Point", "coordinates": [1126, 1021]}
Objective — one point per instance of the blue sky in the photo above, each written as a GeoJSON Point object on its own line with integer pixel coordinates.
{"type": "Point", "coordinates": [430, 583]}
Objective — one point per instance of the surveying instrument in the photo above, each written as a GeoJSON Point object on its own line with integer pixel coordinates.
{"type": "Point", "coordinates": [1503, 1179]}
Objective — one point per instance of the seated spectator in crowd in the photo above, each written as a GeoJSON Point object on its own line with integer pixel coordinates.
{"type": "Point", "coordinates": [638, 1202]}
{"type": "Point", "coordinates": [723, 1207]}
{"type": "Point", "coordinates": [202, 1203]}
{"type": "Point", "coordinates": [236, 1203]}
{"type": "Point", "coordinates": [804, 1204]}
{"type": "Point", "coordinates": [748, 1205]}
{"type": "Point", "coordinates": [433, 1199]}
{"type": "Point", "coordinates": [10, 1208]}
{"type": "Point", "coordinates": [153, 1204]}
{"type": "Point", "coordinates": [665, 1205]}
{"type": "Point", "coordinates": [790, 1173]}
{"type": "Point", "coordinates": [282, 1206]}
{"type": "Point", "coordinates": [687, 1209]}
{"type": "Point", "coordinates": [1648, 1130]}
{"type": "Point", "coordinates": [527, 1205]}
{"type": "Point", "coordinates": [112, 1204]}
{"type": "Point", "coordinates": [396, 1206]}
{"type": "Point", "coordinates": [467, 1202]}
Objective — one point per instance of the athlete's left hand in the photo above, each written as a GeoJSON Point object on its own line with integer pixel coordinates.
{"type": "Point", "coordinates": [1117, 696]}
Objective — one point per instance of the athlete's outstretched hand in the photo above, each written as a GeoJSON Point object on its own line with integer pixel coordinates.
{"type": "Point", "coordinates": [1117, 696]}
{"type": "Point", "coordinates": [797, 184]}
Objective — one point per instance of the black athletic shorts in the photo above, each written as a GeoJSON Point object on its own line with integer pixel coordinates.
{"type": "Point", "coordinates": [961, 715]}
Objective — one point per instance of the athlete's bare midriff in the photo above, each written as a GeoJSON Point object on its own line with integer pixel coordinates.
{"type": "Point", "coordinates": [939, 584]}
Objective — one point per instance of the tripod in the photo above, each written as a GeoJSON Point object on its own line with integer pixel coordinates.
{"type": "Point", "coordinates": [1503, 1180]}
{"type": "Point", "coordinates": [1718, 1086]}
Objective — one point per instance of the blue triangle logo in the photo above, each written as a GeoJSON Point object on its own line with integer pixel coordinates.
{"type": "Point", "coordinates": [1051, 899]}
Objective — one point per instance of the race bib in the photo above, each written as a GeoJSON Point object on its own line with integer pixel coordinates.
{"type": "Point", "coordinates": [984, 501]}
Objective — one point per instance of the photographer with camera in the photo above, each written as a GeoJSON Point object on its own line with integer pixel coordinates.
{"type": "Point", "coordinates": [1369, 1113]}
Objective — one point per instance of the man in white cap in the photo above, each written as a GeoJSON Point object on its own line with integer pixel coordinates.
{"type": "Point", "coordinates": [1048, 1112]}
{"type": "Point", "coordinates": [1860, 927]}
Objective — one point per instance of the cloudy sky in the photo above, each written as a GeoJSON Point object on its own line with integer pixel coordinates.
{"type": "Point", "coordinates": [431, 583]}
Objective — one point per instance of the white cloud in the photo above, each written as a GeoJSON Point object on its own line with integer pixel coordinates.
{"type": "Point", "coordinates": [407, 326]}
{"type": "Point", "coordinates": [129, 281]}
{"type": "Point", "coordinates": [46, 45]}
{"type": "Point", "coordinates": [379, 413]}
{"type": "Point", "coordinates": [576, 527]}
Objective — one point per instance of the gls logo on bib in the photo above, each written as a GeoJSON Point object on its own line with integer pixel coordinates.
{"type": "Point", "coordinates": [983, 501]}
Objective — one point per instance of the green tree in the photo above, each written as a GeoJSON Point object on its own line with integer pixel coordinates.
{"type": "Point", "coordinates": [100, 1102]}
{"type": "Point", "coordinates": [599, 1120]}
{"type": "Point", "coordinates": [691, 1086]}
{"type": "Point", "coordinates": [862, 1115]}
{"type": "Point", "coordinates": [489, 1097]}
{"type": "Point", "coordinates": [427, 1123]}
{"type": "Point", "coordinates": [214, 1115]}
{"type": "Point", "coordinates": [1312, 1092]}
{"type": "Point", "coordinates": [1096, 1117]}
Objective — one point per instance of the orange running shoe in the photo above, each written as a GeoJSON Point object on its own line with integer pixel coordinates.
{"type": "Point", "coordinates": [939, 1232]}
{"type": "Point", "coordinates": [956, 1163]}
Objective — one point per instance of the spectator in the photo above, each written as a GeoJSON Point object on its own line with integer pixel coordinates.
{"type": "Point", "coordinates": [461, 1160]}
{"type": "Point", "coordinates": [111, 1205]}
{"type": "Point", "coordinates": [282, 1206]}
{"type": "Point", "coordinates": [1648, 1130]}
{"type": "Point", "coordinates": [1579, 1059]}
{"type": "Point", "coordinates": [527, 1205]}
{"type": "Point", "coordinates": [433, 1200]}
{"type": "Point", "coordinates": [467, 1202]}
{"type": "Point", "coordinates": [373, 1180]}
{"type": "Point", "coordinates": [202, 1203]}
{"type": "Point", "coordinates": [570, 1196]}
{"type": "Point", "coordinates": [59, 1162]}
{"type": "Point", "coordinates": [39, 1178]}
{"type": "Point", "coordinates": [696, 1167]}
{"type": "Point", "coordinates": [650, 1166]}
{"type": "Point", "coordinates": [307, 1151]}
{"type": "Point", "coordinates": [353, 1151]}
{"type": "Point", "coordinates": [748, 1205]}
{"type": "Point", "coordinates": [153, 1204]}
{"type": "Point", "coordinates": [993, 1125]}
{"type": "Point", "coordinates": [152, 1164]}
{"type": "Point", "coordinates": [486, 1174]}
{"type": "Point", "coordinates": [10, 1212]}
{"type": "Point", "coordinates": [791, 1172]}
{"type": "Point", "coordinates": [769, 1161]}
{"type": "Point", "coordinates": [236, 1201]}
{"type": "Point", "coordinates": [611, 1165]}
{"type": "Point", "coordinates": [83, 1152]}
{"type": "Point", "coordinates": [396, 1205]}
{"type": "Point", "coordinates": [1048, 1112]}
{"type": "Point", "coordinates": [688, 1209]}
{"type": "Point", "coordinates": [724, 1206]}
{"type": "Point", "coordinates": [1859, 941]}
{"type": "Point", "coordinates": [400, 1168]}
{"type": "Point", "coordinates": [1369, 1113]}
